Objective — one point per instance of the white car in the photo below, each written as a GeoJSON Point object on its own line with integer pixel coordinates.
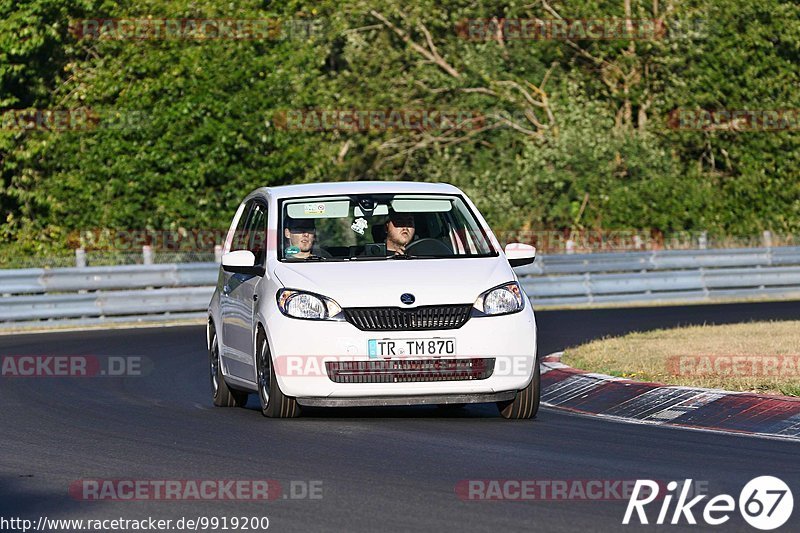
{"type": "Point", "coordinates": [370, 294]}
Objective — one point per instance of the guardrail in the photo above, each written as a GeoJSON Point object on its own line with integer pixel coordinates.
{"type": "Point", "coordinates": [101, 293]}
{"type": "Point", "coordinates": [662, 275]}
{"type": "Point", "coordinates": [161, 291]}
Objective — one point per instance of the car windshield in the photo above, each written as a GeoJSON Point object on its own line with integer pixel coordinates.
{"type": "Point", "coordinates": [380, 227]}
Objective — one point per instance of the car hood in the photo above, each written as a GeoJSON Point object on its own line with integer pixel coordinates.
{"type": "Point", "coordinates": [380, 283]}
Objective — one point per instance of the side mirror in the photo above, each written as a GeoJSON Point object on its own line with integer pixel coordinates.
{"type": "Point", "coordinates": [519, 254]}
{"type": "Point", "coordinates": [241, 262]}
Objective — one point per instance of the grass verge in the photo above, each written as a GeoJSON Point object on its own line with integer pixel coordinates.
{"type": "Point", "coordinates": [762, 357]}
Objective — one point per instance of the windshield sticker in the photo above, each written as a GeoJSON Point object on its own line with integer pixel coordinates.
{"type": "Point", "coordinates": [359, 225]}
{"type": "Point", "coordinates": [314, 209]}
{"type": "Point", "coordinates": [291, 250]}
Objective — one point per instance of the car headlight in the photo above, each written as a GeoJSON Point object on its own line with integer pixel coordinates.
{"type": "Point", "coordinates": [300, 304]}
{"type": "Point", "coordinates": [501, 300]}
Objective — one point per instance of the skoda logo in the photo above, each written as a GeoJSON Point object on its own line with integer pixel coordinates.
{"type": "Point", "coordinates": [407, 299]}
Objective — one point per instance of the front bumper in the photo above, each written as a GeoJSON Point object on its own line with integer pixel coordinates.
{"type": "Point", "coordinates": [384, 401]}
{"type": "Point", "coordinates": [301, 348]}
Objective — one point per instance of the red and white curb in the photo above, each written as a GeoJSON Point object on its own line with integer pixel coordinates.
{"type": "Point", "coordinates": [621, 399]}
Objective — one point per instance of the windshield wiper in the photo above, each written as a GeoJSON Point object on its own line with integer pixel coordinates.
{"type": "Point", "coordinates": [316, 258]}
{"type": "Point", "coordinates": [395, 256]}
{"type": "Point", "coordinates": [419, 256]}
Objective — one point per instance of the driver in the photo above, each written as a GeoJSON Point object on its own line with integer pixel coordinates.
{"type": "Point", "coordinates": [301, 233]}
{"type": "Point", "coordinates": [399, 232]}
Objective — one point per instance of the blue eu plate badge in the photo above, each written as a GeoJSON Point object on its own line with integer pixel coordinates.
{"type": "Point", "coordinates": [373, 348]}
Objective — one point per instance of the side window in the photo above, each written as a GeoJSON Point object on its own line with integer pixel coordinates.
{"type": "Point", "coordinates": [257, 233]}
{"type": "Point", "coordinates": [239, 240]}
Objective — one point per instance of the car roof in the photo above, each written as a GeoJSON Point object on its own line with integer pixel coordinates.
{"type": "Point", "coordinates": [358, 187]}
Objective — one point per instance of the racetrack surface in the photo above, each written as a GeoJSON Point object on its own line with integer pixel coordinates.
{"type": "Point", "coordinates": [380, 468]}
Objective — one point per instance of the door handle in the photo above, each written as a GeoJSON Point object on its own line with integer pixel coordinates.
{"type": "Point", "coordinates": [255, 297]}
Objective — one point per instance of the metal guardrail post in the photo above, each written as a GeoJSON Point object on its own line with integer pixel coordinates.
{"type": "Point", "coordinates": [147, 255]}
{"type": "Point", "coordinates": [703, 283]}
{"type": "Point", "coordinates": [80, 258]}
{"type": "Point", "coordinates": [587, 284]}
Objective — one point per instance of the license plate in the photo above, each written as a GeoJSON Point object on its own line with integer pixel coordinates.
{"type": "Point", "coordinates": [411, 347]}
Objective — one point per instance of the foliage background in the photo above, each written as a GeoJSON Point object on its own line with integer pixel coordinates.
{"type": "Point", "coordinates": [577, 135]}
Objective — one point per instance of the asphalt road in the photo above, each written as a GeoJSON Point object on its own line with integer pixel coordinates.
{"type": "Point", "coordinates": [380, 469]}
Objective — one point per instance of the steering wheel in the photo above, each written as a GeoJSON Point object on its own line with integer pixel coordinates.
{"type": "Point", "coordinates": [428, 246]}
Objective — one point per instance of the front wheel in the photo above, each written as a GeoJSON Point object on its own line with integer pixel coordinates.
{"type": "Point", "coordinates": [274, 403]}
{"type": "Point", "coordinates": [525, 404]}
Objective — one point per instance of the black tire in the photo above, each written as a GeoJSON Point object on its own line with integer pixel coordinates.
{"type": "Point", "coordinates": [222, 395]}
{"type": "Point", "coordinates": [274, 403]}
{"type": "Point", "coordinates": [525, 404]}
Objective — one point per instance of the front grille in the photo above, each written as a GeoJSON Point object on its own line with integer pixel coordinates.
{"type": "Point", "coordinates": [409, 370]}
{"type": "Point", "coordinates": [420, 318]}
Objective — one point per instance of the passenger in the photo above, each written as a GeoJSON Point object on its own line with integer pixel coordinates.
{"type": "Point", "coordinates": [301, 234]}
{"type": "Point", "coordinates": [399, 232]}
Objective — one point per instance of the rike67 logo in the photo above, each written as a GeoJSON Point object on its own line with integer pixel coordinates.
{"type": "Point", "coordinates": [765, 503]}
